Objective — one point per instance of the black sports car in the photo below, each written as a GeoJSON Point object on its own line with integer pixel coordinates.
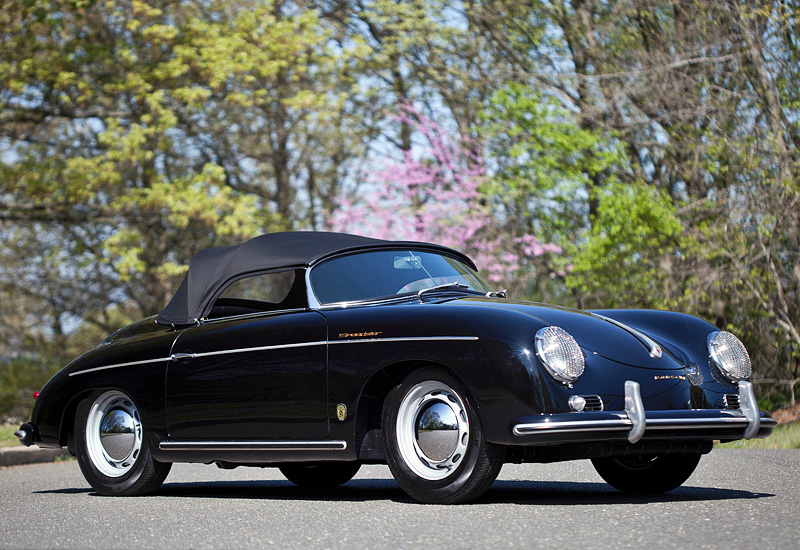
{"type": "Point", "coordinates": [319, 352]}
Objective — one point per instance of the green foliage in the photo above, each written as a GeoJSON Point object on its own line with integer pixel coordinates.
{"type": "Point", "coordinates": [546, 167]}
{"type": "Point", "coordinates": [154, 130]}
{"type": "Point", "coordinates": [19, 379]}
{"type": "Point", "coordinates": [785, 436]}
{"type": "Point", "coordinates": [545, 149]}
{"type": "Point", "coordinates": [39, 355]}
{"type": "Point", "coordinates": [636, 232]}
{"type": "Point", "coordinates": [7, 437]}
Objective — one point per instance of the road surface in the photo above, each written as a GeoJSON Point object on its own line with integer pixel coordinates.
{"type": "Point", "coordinates": [735, 499]}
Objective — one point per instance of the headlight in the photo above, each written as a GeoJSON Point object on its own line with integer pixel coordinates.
{"type": "Point", "coordinates": [560, 354]}
{"type": "Point", "coordinates": [729, 356]}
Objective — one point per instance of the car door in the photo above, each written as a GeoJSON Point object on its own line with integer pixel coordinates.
{"type": "Point", "coordinates": [250, 377]}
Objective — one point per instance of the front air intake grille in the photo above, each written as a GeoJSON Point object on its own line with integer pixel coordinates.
{"type": "Point", "coordinates": [731, 401]}
{"type": "Point", "coordinates": [594, 403]}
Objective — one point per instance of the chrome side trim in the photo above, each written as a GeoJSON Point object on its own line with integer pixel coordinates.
{"type": "Point", "coordinates": [749, 408]}
{"type": "Point", "coordinates": [186, 356]}
{"type": "Point", "coordinates": [117, 365]}
{"type": "Point", "coordinates": [274, 313]}
{"type": "Point", "coordinates": [253, 445]}
{"type": "Point", "coordinates": [260, 348]}
{"type": "Point", "coordinates": [634, 408]}
{"type": "Point", "coordinates": [326, 342]}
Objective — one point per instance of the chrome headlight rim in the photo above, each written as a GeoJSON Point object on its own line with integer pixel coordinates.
{"type": "Point", "coordinates": [548, 337]}
{"type": "Point", "coordinates": [733, 365]}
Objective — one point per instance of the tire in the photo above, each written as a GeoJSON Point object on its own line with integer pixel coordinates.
{"type": "Point", "coordinates": [320, 475]}
{"type": "Point", "coordinates": [433, 440]}
{"type": "Point", "coordinates": [649, 474]}
{"type": "Point", "coordinates": [109, 443]}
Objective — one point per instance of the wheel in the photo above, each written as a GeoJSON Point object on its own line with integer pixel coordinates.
{"type": "Point", "coordinates": [433, 440]}
{"type": "Point", "coordinates": [649, 474]}
{"type": "Point", "coordinates": [320, 475]}
{"type": "Point", "coordinates": [108, 442]}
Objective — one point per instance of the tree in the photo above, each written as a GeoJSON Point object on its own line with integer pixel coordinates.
{"type": "Point", "coordinates": [434, 194]}
{"type": "Point", "coordinates": [134, 134]}
{"type": "Point", "coordinates": [701, 97]}
{"type": "Point", "coordinates": [155, 130]}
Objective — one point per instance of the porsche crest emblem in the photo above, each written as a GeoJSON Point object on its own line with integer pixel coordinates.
{"type": "Point", "coordinates": [341, 411]}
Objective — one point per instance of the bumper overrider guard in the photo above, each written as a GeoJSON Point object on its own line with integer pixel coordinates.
{"type": "Point", "coordinates": [635, 424]}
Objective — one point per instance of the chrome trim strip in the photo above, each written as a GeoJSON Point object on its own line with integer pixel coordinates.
{"type": "Point", "coordinates": [313, 302]}
{"type": "Point", "coordinates": [273, 313]}
{"type": "Point", "coordinates": [655, 349]}
{"type": "Point", "coordinates": [261, 348]}
{"type": "Point", "coordinates": [689, 424]}
{"type": "Point", "coordinates": [117, 365]}
{"type": "Point", "coordinates": [326, 342]}
{"type": "Point", "coordinates": [634, 408]}
{"type": "Point", "coordinates": [253, 445]}
{"type": "Point", "coordinates": [369, 302]}
{"type": "Point", "coordinates": [184, 356]}
{"type": "Point", "coordinates": [573, 426]}
{"type": "Point", "coordinates": [381, 301]}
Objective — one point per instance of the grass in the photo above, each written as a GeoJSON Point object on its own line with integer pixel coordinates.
{"type": "Point", "coordinates": [7, 437]}
{"type": "Point", "coordinates": [785, 436]}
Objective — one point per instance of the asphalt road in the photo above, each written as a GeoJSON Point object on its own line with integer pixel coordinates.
{"type": "Point", "coordinates": [735, 499]}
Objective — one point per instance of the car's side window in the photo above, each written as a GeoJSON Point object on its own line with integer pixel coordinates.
{"type": "Point", "coordinates": [271, 287]}
{"type": "Point", "coordinates": [265, 292]}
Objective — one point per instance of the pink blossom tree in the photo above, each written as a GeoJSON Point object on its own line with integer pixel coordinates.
{"type": "Point", "coordinates": [434, 195]}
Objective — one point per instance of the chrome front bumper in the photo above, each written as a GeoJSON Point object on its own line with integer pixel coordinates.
{"type": "Point", "coordinates": [634, 423]}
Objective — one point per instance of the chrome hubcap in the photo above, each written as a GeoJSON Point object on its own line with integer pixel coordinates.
{"type": "Point", "coordinates": [113, 434]}
{"type": "Point", "coordinates": [437, 431]}
{"type": "Point", "coordinates": [432, 430]}
{"type": "Point", "coordinates": [118, 434]}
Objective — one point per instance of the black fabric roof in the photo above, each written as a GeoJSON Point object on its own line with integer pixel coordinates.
{"type": "Point", "coordinates": [211, 269]}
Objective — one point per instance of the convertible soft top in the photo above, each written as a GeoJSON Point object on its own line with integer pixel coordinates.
{"type": "Point", "coordinates": [211, 269]}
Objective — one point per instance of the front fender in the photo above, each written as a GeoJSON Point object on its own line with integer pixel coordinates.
{"type": "Point", "coordinates": [686, 338]}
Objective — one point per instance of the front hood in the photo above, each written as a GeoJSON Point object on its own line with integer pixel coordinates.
{"type": "Point", "coordinates": [614, 341]}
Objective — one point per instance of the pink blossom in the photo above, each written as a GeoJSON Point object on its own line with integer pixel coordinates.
{"type": "Point", "coordinates": [434, 195]}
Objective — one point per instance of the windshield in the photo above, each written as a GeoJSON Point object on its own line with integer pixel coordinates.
{"type": "Point", "coordinates": [387, 273]}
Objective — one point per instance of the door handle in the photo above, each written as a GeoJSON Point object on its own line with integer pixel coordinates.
{"type": "Point", "coordinates": [181, 356]}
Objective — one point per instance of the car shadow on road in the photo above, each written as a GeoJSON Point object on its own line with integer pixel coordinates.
{"type": "Point", "coordinates": [502, 492]}
{"type": "Point", "coordinates": [571, 493]}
